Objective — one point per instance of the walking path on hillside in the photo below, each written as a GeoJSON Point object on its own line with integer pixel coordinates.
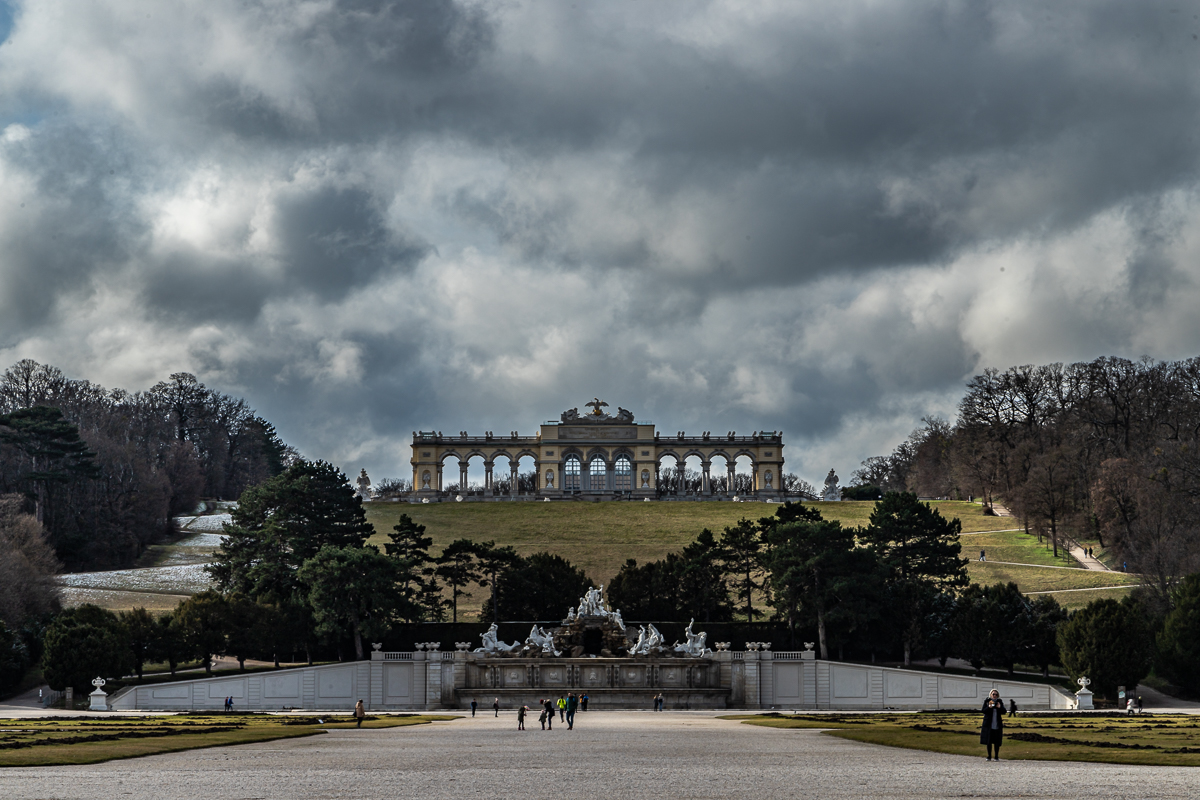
{"type": "Point", "coordinates": [1091, 562]}
{"type": "Point", "coordinates": [1087, 589]}
{"type": "Point", "coordinates": [1033, 566]}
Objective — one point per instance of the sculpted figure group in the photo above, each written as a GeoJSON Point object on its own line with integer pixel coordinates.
{"type": "Point", "coordinates": [649, 641]}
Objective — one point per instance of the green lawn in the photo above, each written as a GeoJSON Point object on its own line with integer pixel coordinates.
{"type": "Point", "coordinates": [1073, 600]}
{"type": "Point", "coordinates": [1016, 546]}
{"type": "Point", "coordinates": [52, 742]}
{"type": "Point", "coordinates": [1044, 579]}
{"type": "Point", "coordinates": [600, 536]}
{"type": "Point", "coordinates": [1171, 740]}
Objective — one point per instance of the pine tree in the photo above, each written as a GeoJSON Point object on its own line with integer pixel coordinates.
{"type": "Point", "coordinates": [283, 522]}
{"type": "Point", "coordinates": [919, 551]}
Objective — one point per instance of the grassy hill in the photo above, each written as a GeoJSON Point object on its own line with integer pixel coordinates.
{"type": "Point", "coordinates": [600, 536]}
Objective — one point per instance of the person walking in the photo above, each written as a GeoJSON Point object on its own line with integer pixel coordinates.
{"type": "Point", "coordinates": [1141, 707]}
{"type": "Point", "coordinates": [549, 714]}
{"type": "Point", "coordinates": [983, 555]}
{"type": "Point", "coordinates": [542, 716]}
{"type": "Point", "coordinates": [474, 706]}
{"type": "Point", "coordinates": [1129, 706]}
{"type": "Point", "coordinates": [496, 706]}
{"type": "Point", "coordinates": [521, 709]}
{"type": "Point", "coordinates": [1012, 707]}
{"type": "Point", "coordinates": [360, 711]}
{"type": "Point", "coordinates": [572, 704]}
{"type": "Point", "coordinates": [992, 731]}
{"type": "Point", "coordinates": [583, 702]}
{"type": "Point", "coordinates": [660, 700]}
{"type": "Point", "coordinates": [562, 708]}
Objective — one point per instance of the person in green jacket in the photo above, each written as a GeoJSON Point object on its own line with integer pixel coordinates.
{"type": "Point", "coordinates": [562, 708]}
{"type": "Point", "coordinates": [572, 704]}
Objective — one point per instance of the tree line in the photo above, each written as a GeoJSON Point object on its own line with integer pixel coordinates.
{"type": "Point", "coordinates": [296, 572]}
{"type": "Point", "coordinates": [104, 471]}
{"type": "Point", "coordinates": [1107, 450]}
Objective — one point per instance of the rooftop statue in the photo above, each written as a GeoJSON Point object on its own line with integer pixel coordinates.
{"type": "Point", "coordinates": [596, 405]}
{"type": "Point", "coordinates": [491, 644]}
{"type": "Point", "coordinates": [831, 490]}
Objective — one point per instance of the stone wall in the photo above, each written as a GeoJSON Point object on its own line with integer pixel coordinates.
{"type": "Point", "coordinates": [428, 680]}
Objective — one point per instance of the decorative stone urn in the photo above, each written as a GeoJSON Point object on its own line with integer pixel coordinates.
{"type": "Point", "coordinates": [1083, 698]}
{"type": "Point", "coordinates": [99, 699]}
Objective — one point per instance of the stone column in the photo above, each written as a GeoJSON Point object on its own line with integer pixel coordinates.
{"type": "Point", "coordinates": [512, 478]}
{"type": "Point", "coordinates": [731, 470]}
{"type": "Point", "coordinates": [705, 483]}
{"type": "Point", "coordinates": [462, 477]}
{"type": "Point", "coordinates": [487, 475]}
{"type": "Point", "coordinates": [439, 477]}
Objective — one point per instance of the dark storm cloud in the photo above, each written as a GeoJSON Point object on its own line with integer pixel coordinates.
{"type": "Point", "coordinates": [372, 217]}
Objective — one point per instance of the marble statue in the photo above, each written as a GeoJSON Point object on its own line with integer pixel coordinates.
{"type": "Point", "coordinates": [596, 405]}
{"type": "Point", "coordinates": [364, 485]}
{"type": "Point", "coordinates": [592, 603]}
{"type": "Point", "coordinates": [623, 415]}
{"type": "Point", "coordinates": [649, 639]}
{"type": "Point", "coordinates": [492, 645]}
{"type": "Point", "coordinates": [571, 415]}
{"type": "Point", "coordinates": [695, 643]}
{"type": "Point", "coordinates": [540, 640]}
{"type": "Point", "coordinates": [831, 490]}
{"type": "Point", "coordinates": [616, 617]}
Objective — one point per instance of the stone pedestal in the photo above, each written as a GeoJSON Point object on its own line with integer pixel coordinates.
{"type": "Point", "coordinates": [1083, 698]}
{"type": "Point", "coordinates": [98, 698]}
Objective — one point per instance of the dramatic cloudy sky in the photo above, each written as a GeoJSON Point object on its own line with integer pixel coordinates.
{"type": "Point", "coordinates": [373, 217]}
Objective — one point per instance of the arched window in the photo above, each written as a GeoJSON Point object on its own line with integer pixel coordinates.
{"type": "Point", "coordinates": [571, 469]}
{"type": "Point", "coordinates": [598, 472]}
{"type": "Point", "coordinates": [623, 475]}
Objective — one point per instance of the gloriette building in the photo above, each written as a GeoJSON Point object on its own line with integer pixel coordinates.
{"type": "Point", "coordinates": [596, 454]}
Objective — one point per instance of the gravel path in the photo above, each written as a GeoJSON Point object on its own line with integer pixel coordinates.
{"type": "Point", "coordinates": [610, 755]}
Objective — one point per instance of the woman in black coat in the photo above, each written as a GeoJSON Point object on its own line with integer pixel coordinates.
{"type": "Point", "coordinates": [992, 732]}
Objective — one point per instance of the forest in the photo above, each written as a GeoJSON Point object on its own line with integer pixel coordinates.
{"type": "Point", "coordinates": [105, 470]}
{"type": "Point", "coordinates": [1106, 450]}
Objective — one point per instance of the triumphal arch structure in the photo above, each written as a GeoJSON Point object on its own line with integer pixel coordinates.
{"type": "Point", "coordinates": [595, 455]}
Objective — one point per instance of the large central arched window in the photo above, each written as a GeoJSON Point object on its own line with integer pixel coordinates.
{"type": "Point", "coordinates": [598, 472]}
{"type": "Point", "coordinates": [571, 469]}
{"type": "Point", "coordinates": [623, 475]}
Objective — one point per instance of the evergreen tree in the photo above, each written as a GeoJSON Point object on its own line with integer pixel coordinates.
{"type": "Point", "coordinates": [169, 645]}
{"type": "Point", "coordinates": [495, 563]}
{"type": "Point", "coordinates": [703, 589]}
{"type": "Point", "coordinates": [919, 552]}
{"type": "Point", "coordinates": [1041, 648]}
{"type": "Point", "coordinates": [203, 622]}
{"type": "Point", "coordinates": [82, 643]}
{"type": "Point", "coordinates": [815, 568]}
{"type": "Point", "coordinates": [352, 588]}
{"type": "Point", "coordinates": [648, 592]}
{"type": "Point", "coordinates": [1108, 642]}
{"type": "Point", "coordinates": [409, 546]}
{"type": "Point", "coordinates": [1179, 639]}
{"type": "Point", "coordinates": [458, 565]}
{"type": "Point", "coordinates": [52, 446]}
{"type": "Point", "coordinates": [741, 555]}
{"type": "Point", "coordinates": [540, 587]}
{"type": "Point", "coordinates": [141, 631]}
{"type": "Point", "coordinates": [283, 522]}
